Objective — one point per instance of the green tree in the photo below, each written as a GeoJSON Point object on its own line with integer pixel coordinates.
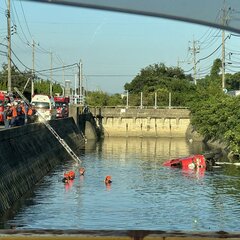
{"type": "Point", "coordinates": [233, 81]}
{"type": "Point", "coordinates": [43, 87]}
{"type": "Point", "coordinates": [115, 100]}
{"type": "Point", "coordinates": [18, 79]}
{"type": "Point", "coordinates": [216, 68]}
{"type": "Point", "coordinates": [216, 115]}
{"type": "Point", "coordinates": [160, 79]}
{"type": "Point", "coordinates": [98, 98]}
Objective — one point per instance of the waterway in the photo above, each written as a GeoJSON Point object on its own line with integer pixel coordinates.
{"type": "Point", "coordinates": [143, 195]}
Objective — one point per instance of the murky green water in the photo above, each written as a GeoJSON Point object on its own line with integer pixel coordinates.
{"type": "Point", "coordinates": [143, 194]}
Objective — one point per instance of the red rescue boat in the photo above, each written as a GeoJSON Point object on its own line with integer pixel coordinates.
{"type": "Point", "coordinates": [190, 162]}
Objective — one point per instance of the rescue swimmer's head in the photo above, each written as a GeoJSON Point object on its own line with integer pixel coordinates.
{"type": "Point", "coordinates": [82, 171]}
{"type": "Point", "coordinates": [108, 180]}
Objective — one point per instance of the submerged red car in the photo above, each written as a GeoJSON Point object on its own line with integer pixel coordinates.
{"type": "Point", "coordinates": [190, 162]}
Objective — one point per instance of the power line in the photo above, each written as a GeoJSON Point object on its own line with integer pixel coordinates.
{"type": "Point", "coordinates": [24, 74]}
{"type": "Point", "coordinates": [19, 22]}
{"type": "Point", "coordinates": [228, 37]}
{"type": "Point", "coordinates": [211, 29]}
{"type": "Point", "coordinates": [25, 19]}
{"type": "Point", "coordinates": [212, 52]}
{"type": "Point", "coordinates": [205, 68]}
{"type": "Point", "coordinates": [188, 70]}
{"type": "Point", "coordinates": [66, 66]}
{"type": "Point", "coordinates": [210, 43]}
{"type": "Point", "coordinates": [3, 53]}
{"type": "Point", "coordinates": [43, 70]}
{"type": "Point", "coordinates": [19, 47]}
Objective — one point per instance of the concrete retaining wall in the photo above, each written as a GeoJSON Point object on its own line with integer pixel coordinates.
{"type": "Point", "coordinates": [143, 122]}
{"type": "Point", "coordinates": [28, 153]}
{"type": "Point", "coordinates": [145, 127]}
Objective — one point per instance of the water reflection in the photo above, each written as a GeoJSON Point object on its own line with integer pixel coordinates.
{"type": "Point", "coordinates": [194, 173]}
{"type": "Point", "coordinates": [166, 147]}
{"type": "Point", "coordinates": [143, 194]}
{"type": "Point", "coordinates": [68, 185]}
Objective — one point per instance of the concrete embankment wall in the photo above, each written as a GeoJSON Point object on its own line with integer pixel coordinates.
{"type": "Point", "coordinates": [143, 122]}
{"type": "Point", "coordinates": [85, 121]}
{"type": "Point", "coordinates": [28, 153]}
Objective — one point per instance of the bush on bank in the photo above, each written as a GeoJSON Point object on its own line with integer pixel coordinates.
{"type": "Point", "coordinates": [215, 114]}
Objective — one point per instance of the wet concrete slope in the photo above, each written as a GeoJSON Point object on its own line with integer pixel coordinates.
{"type": "Point", "coordinates": [28, 153]}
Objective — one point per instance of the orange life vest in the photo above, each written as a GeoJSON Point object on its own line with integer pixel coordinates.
{"type": "Point", "coordinates": [30, 112]}
{"type": "Point", "coordinates": [14, 111]}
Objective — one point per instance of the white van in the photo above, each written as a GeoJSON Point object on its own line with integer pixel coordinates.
{"type": "Point", "coordinates": [45, 106]}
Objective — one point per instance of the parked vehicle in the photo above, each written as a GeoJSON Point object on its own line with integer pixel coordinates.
{"type": "Point", "coordinates": [45, 106]}
{"type": "Point", "coordinates": [61, 104]}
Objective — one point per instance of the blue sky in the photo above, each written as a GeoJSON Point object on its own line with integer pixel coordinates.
{"type": "Point", "coordinates": [113, 47]}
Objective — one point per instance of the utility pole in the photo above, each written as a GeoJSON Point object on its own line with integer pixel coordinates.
{"type": "Point", "coordinates": [194, 50]}
{"type": "Point", "coordinates": [75, 92]}
{"type": "Point", "coordinates": [80, 79]}
{"type": "Point", "coordinates": [223, 44]}
{"type": "Point", "coordinates": [80, 85]}
{"type": "Point", "coordinates": [141, 100]}
{"type": "Point", "coordinates": [155, 105]}
{"type": "Point", "coordinates": [33, 68]}
{"type": "Point", "coordinates": [50, 90]}
{"type": "Point", "coordinates": [81, 67]}
{"type": "Point", "coordinates": [224, 20]}
{"type": "Point", "coordinates": [9, 46]}
{"type": "Point", "coordinates": [63, 72]}
{"type": "Point", "coordinates": [223, 59]}
{"type": "Point", "coordinates": [63, 80]}
{"type": "Point", "coordinates": [169, 100]}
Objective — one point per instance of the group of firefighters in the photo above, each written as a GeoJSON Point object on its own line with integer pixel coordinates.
{"type": "Point", "coordinates": [18, 113]}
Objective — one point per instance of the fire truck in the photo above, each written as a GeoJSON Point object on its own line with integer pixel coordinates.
{"type": "Point", "coordinates": [61, 104]}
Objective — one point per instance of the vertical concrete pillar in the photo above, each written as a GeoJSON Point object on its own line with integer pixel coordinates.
{"type": "Point", "coordinates": [73, 112]}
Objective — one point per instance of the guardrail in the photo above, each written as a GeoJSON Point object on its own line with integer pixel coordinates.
{"type": "Point", "coordinates": [138, 107]}
{"type": "Point", "coordinates": [140, 113]}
